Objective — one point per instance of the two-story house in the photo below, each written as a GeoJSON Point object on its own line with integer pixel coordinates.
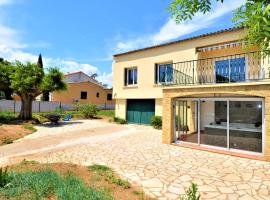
{"type": "Point", "coordinates": [210, 91]}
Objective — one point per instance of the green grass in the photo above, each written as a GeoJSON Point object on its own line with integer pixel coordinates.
{"type": "Point", "coordinates": [7, 141]}
{"type": "Point", "coordinates": [30, 127]}
{"type": "Point", "coordinates": [47, 183]}
{"type": "Point", "coordinates": [26, 162]}
{"type": "Point", "coordinates": [106, 113]}
{"type": "Point", "coordinates": [106, 172]}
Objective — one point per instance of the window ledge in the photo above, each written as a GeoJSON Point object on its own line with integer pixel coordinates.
{"type": "Point", "coordinates": [130, 87]}
{"type": "Point", "coordinates": [157, 85]}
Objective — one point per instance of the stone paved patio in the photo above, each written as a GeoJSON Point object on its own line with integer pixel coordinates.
{"type": "Point", "coordinates": [166, 171]}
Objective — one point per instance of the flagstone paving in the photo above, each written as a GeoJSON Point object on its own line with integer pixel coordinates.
{"type": "Point", "coordinates": [166, 171]}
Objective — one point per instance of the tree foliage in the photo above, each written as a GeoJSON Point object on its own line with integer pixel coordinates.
{"type": "Point", "coordinates": [29, 80]}
{"type": "Point", "coordinates": [254, 15]}
{"type": "Point", "coordinates": [5, 72]}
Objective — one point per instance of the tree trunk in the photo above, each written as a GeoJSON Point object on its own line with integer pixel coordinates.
{"type": "Point", "coordinates": [26, 108]}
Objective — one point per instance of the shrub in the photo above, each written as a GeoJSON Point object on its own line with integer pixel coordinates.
{"type": "Point", "coordinates": [39, 118]}
{"type": "Point", "coordinates": [6, 116]}
{"type": "Point", "coordinates": [89, 110]}
{"type": "Point", "coordinates": [4, 177]}
{"type": "Point", "coordinates": [119, 120]}
{"type": "Point", "coordinates": [156, 122]}
{"type": "Point", "coordinates": [58, 110]}
{"type": "Point", "coordinates": [192, 193]}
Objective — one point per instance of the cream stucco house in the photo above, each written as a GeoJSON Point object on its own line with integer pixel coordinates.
{"type": "Point", "coordinates": [211, 93]}
{"type": "Point", "coordinates": [82, 88]}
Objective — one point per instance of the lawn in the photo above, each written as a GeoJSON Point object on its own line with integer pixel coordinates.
{"type": "Point", "coordinates": [106, 113]}
{"type": "Point", "coordinates": [31, 180]}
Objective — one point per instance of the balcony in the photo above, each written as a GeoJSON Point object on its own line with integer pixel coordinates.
{"type": "Point", "coordinates": [245, 67]}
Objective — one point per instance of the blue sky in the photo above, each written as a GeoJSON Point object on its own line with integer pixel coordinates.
{"type": "Point", "coordinates": [83, 35]}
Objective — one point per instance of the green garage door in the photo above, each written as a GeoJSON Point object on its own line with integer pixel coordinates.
{"type": "Point", "coordinates": [140, 111]}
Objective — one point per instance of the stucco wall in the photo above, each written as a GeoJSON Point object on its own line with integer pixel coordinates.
{"type": "Point", "coordinates": [248, 89]}
{"type": "Point", "coordinates": [74, 90]}
{"type": "Point", "coordinates": [145, 62]}
{"type": "Point", "coordinates": [120, 108]}
{"type": "Point", "coordinates": [158, 107]}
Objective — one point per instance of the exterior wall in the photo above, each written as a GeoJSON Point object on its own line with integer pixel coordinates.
{"type": "Point", "coordinates": [76, 77]}
{"type": "Point", "coordinates": [121, 108]}
{"type": "Point", "coordinates": [73, 94]}
{"type": "Point", "coordinates": [245, 89]}
{"type": "Point", "coordinates": [158, 107]}
{"type": "Point", "coordinates": [145, 62]}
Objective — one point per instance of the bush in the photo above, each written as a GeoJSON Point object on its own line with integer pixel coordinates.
{"type": "Point", "coordinates": [58, 110]}
{"type": "Point", "coordinates": [192, 193]}
{"type": "Point", "coordinates": [39, 118]}
{"type": "Point", "coordinates": [4, 177]}
{"type": "Point", "coordinates": [119, 120]}
{"type": "Point", "coordinates": [6, 116]}
{"type": "Point", "coordinates": [156, 122]}
{"type": "Point", "coordinates": [88, 110]}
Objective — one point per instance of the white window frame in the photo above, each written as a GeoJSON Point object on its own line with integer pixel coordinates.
{"type": "Point", "coordinates": [127, 76]}
{"type": "Point", "coordinates": [158, 66]}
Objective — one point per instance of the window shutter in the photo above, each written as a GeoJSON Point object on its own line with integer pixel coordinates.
{"type": "Point", "coordinates": [156, 73]}
{"type": "Point", "coordinates": [125, 77]}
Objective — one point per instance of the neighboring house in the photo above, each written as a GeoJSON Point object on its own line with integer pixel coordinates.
{"type": "Point", "coordinates": [210, 93]}
{"type": "Point", "coordinates": [84, 89]}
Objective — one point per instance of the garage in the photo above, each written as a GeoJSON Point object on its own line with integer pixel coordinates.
{"type": "Point", "coordinates": [140, 111]}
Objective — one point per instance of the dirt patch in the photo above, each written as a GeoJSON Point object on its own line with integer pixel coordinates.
{"type": "Point", "coordinates": [91, 178]}
{"type": "Point", "coordinates": [11, 132]}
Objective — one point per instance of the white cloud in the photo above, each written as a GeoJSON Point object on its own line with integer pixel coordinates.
{"type": "Point", "coordinates": [12, 49]}
{"type": "Point", "coordinates": [65, 65]}
{"type": "Point", "coordinates": [5, 2]}
{"type": "Point", "coordinates": [170, 30]}
{"type": "Point", "coordinates": [106, 78]}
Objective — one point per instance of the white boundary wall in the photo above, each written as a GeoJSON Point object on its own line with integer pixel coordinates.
{"type": "Point", "coordinates": [43, 106]}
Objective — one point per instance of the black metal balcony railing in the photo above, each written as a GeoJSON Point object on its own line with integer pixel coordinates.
{"type": "Point", "coordinates": [224, 69]}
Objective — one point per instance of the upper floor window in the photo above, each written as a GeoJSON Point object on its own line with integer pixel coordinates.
{"type": "Point", "coordinates": [97, 95]}
{"type": "Point", "coordinates": [230, 70]}
{"type": "Point", "coordinates": [109, 97]}
{"type": "Point", "coordinates": [164, 73]}
{"type": "Point", "coordinates": [83, 95]}
{"type": "Point", "coordinates": [131, 76]}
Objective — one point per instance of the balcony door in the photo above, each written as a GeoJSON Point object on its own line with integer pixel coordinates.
{"type": "Point", "coordinates": [230, 70]}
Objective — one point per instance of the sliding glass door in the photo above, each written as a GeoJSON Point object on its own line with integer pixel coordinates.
{"type": "Point", "coordinates": [186, 121]}
{"type": "Point", "coordinates": [213, 123]}
{"type": "Point", "coordinates": [228, 123]}
{"type": "Point", "coordinates": [246, 125]}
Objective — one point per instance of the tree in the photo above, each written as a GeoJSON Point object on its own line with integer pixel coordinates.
{"type": "Point", "coordinates": [40, 62]}
{"type": "Point", "coordinates": [29, 80]}
{"type": "Point", "coordinates": [5, 71]}
{"type": "Point", "coordinates": [46, 95]}
{"type": "Point", "coordinates": [254, 15]}
{"type": "Point", "coordinates": [94, 76]}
